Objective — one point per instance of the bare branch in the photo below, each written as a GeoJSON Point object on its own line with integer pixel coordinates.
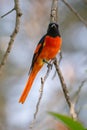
{"type": "Point", "coordinates": [65, 91]}
{"type": "Point", "coordinates": [60, 58]}
{"type": "Point", "coordinates": [8, 13]}
{"type": "Point", "coordinates": [53, 18]}
{"type": "Point", "coordinates": [77, 93]}
{"type": "Point", "coordinates": [75, 12]}
{"type": "Point", "coordinates": [54, 11]}
{"type": "Point", "coordinates": [39, 99]}
{"type": "Point", "coordinates": [76, 96]}
{"type": "Point", "coordinates": [13, 35]}
{"type": "Point", "coordinates": [41, 90]}
{"type": "Point", "coordinates": [41, 93]}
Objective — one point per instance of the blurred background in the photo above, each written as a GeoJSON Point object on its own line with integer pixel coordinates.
{"type": "Point", "coordinates": [34, 22]}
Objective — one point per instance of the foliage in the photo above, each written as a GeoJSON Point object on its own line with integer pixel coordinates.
{"type": "Point", "coordinates": [69, 122]}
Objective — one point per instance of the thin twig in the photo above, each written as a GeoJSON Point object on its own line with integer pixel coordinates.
{"type": "Point", "coordinates": [75, 12]}
{"type": "Point", "coordinates": [60, 58]}
{"type": "Point", "coordinates": [41, 90]}
{"type": "Point", "coordinates": [13, 35]}
{"type": "Point", "coordinates": [76, 96]}
{"type": "Point", "coordinates": [8, 13]}
{"type": "Point", "coordinates": [77, 93]}
{"type": "Point", "coordinates": [39, 99]}
{"type": "Point", "coordinates": [65, 91]}
{"type": "Point", "coordinates": [41, 94]}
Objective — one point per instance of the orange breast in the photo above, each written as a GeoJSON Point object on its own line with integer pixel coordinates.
{"type": "Point", "coordinates": [51, 47]}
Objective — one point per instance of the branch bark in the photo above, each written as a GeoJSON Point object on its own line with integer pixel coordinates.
{"type": "Point", "coordinates": [54, 12]}
{"type": "Point", "coordinates": [65, 91]}
{"type": "Point", "coordinates": [13, 35]}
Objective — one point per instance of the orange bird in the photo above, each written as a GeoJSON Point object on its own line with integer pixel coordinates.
{"type": "Point", "coordinates": [47, 48]}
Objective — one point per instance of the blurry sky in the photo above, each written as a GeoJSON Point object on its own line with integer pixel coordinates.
{"type": "Point", "coordinates": [34, 22]}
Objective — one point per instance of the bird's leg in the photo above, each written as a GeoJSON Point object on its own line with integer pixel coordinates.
{"type": "Point", "coordinates": [49, 64]}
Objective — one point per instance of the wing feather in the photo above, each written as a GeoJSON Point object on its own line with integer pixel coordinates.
{"type": "Point", "coordinates": [37, 52]}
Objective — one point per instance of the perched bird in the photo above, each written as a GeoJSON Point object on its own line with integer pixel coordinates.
{"type": "Point", "coordinates": [47, 49]}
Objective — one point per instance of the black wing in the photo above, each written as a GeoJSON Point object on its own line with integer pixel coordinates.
{"type": "Point", "coordinates": [37, 52]}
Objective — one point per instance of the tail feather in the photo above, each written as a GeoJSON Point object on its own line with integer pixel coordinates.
{"type": "Point", "coordinates": [27, 87]}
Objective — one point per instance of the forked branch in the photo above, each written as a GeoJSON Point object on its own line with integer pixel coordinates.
{"type": "Point", "coordinates": [14, 34]}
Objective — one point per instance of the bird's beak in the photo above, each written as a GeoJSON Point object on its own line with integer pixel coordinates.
{"type": "Point", "coordinates": [53, 26]}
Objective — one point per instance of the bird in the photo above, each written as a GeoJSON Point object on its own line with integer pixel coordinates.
{"type": "Point", "coordinates": [47, 49]}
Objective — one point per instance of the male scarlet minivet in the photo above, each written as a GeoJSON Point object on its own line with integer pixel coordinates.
{"type": "Point", "coordinates": [47, 49]}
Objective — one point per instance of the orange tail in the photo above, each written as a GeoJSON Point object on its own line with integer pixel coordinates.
{"type": "Point", "coordinates": [29, 84]}
{"type": "Point", "coordinates": [27, 87]}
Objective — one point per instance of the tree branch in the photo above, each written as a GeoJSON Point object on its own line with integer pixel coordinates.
{"type": "Point", "coordinates": [13, 35]}
{"type": "Point", "coordinates": [8, 13]}
{"type": "Point", "coordinates": [53, 18]}
{"type": "Point", "coordinates": [41, 94]}
{"type": "Point", "coordinates": [65, 91]}
{"type": "Point", "coordinates": [75, 12]}
{"type": "Point", "coordinates": [77, 94]}
{"type": "Point", "coordinates": [54, 11]}
{"type": "Point", "coordinates": [41, 89]}
{"type": "Point", "coordinates": [59, 60]}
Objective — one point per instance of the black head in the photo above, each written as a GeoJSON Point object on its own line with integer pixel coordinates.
{"type": "Point", "coordinates": [53, 30]}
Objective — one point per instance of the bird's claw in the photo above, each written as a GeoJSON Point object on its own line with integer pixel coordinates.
{"type": "Point", "coordinates": [48, 64]}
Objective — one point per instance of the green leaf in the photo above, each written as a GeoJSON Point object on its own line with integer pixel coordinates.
{"type": "Point", "coordinates": [69, 122]}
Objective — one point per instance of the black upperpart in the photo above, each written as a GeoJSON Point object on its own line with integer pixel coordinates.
{"type": "Point", "coordinates": [53, 30]}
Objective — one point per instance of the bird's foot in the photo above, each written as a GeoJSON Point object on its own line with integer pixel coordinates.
{"type": "Point", "coordinates": [49, 64]}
